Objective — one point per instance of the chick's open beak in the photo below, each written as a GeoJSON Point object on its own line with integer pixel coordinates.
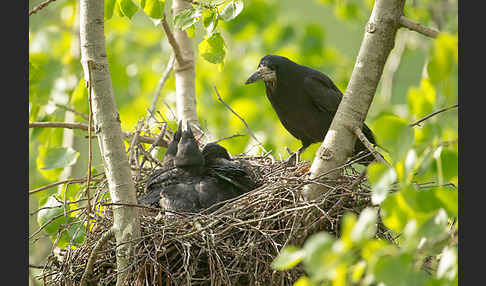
{"type": "Point", "coordinates": [262, 73]}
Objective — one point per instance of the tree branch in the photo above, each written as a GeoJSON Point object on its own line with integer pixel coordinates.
{"type": "Point", "coordinates": [172, 41]}
{"type": "Point", "coordinates": [359, 133]}
{"type": "Point", "coordinates": [94, 253]}
{"type": "Point", "coordinates": [377, 43]}
{"type": "Point", "coordinates": [417, 27]}
{"type": "Point", "coordinates": [40, 6]}
{"type": "Point", "coordinates": [243, 120]}
{"type": "Point", "coordinates": [126, 135]}
{"type": "Point", "coordinates": [432, 114]}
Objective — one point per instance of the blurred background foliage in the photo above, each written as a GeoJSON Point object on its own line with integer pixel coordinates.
{"type": "Point", "coordinates": [420, 77]}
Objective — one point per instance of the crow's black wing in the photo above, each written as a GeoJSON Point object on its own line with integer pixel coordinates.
{"type": "Point", "coordinates": [323, 92]}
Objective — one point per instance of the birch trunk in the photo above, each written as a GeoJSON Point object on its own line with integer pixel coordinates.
{"type": "Point", "coordinates": [185, 72]}
{"type": "Point", "coordinates": [378, 41]}
{"type": "Point", "coordinates": [107, 127]}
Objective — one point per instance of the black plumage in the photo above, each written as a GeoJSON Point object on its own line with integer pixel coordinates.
{"type": "Point", "coordinates": [192, 180]}
{"type": "Point", "coordinates": [304, 99]}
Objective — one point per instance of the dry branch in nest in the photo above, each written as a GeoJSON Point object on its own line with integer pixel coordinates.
{"type": "Point", "coordinates": [233, 245]}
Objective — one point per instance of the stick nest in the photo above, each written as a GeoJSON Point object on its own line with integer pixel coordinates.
{"type": "Point", "coordinates": [233, 245]}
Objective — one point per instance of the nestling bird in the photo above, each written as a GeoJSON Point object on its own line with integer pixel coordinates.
{"type": "Point", "coordinates": [305, 101]}
{"type": "Point", "coordinates": [191, 180]}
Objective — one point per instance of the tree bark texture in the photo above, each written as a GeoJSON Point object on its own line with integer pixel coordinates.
{"type": "Point", "coordinates": [107, 127]}
{"type": "Point", "coordinates": [378, 41]}
{"type": "Point", "coordinates": [185, 72]}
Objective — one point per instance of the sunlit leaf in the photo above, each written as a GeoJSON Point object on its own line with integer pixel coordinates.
{"type": "Point", "coordinates": [421, 100]}
{"type": "Point", "coordinates": [51, 209]}
{"type": "Point", "coordinates": [213, 49]}
{"type": "Point", "coordinates": [231, 10]}
{"type": "Point", "coordinates": [187, 18]}
{"type": "Point", "coordinates": [365, 227]}
{"type": "Point", "coordinates": [448, 264]}
{"type": "Point", "coordinates": [381, 178]}
{"type": "Point", "coordinates": [153, 8]}
{"type": "Point", "coordinates": [443, 57]}
{"type": "Point", "coordinates": [394, 134]}
{"type": "Point", "coordinates": [57, 157]}
{"type": "Point", "coordinates": [127, 7]}
{"type": "Point", "coordinates": [393, 270]}
{"type": "Point", "coordinates": [210, 21]}
{"type": "Point", "coordinates": [109, 8]}
{"type": "Point", "coordinates": [288, 257]}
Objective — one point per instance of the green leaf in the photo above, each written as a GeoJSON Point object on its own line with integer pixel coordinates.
{"type": "Point", "coordinates": [50, 210]}
{"type": "Point", "coordinates": [393, 270]}
{"type": "Point", "coordinates": [210, 21]}
{"type": "Point", "coordinates": [153, 8]}
{"type": "Point", "coordinates": [421, 100]}
{"type": "Point", "coordinates": [365, 227]}
{"type": "Point", "coordinates": [288, 258]}
{"type": "Point", "coordinates": [381, 178]}
{"type": "Point", "coordinates": [187, 18]}
{"type": "Point", "coordinates": [213, 49]}
{"type": "Point", "coordinates": [57, 157]}
{"type": "Point", "coordinates": [394, 134]}
{"type": "Point", "coordinates": [448, 265]}
{"type": "Point", "coordinates": [443, 57]}
{"type": "Point", "coordinates": [231, 10]}
{"type": "Point", "coordinates": [395, 212]}
{"type": "Point", "coordinates": [319, 259]}
{"type": "Point", "coordinates": [449, 199]}
{"type": "Point", "coordinates": [127, 7]}
{"type": "Point", "coordinates": [109, 8]}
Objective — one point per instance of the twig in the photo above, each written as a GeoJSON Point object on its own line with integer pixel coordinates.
{"type": "Point", "coordinates": [432, 114]}
{"type": "Point", "coordinates": [92, 257]}
{"type": "Point", "coordinates": [68, 125]}
{"type": "Point", "coordinates": [172, 41]}
{"type": "Point", "coordinates": [126, 135]}
{"type": "Point", "coordinates": [76, 180]}
{"type": "Point", "coordinates": [40, 6]}
{"type": "Point", "coordinates": [243, 120]}
{"type": "Point", "coordinates": [84, 116]}
{"type": "Point", "coordinates": [359, 133]}
{"type": "Point", "coordinates": [417, 27]}
{"type": "Point", "coordinates": [229, 137]}
{"type": "Point", "coordinates": [160, 85]}
{"type": "Point", "coordinates": [90, 150]}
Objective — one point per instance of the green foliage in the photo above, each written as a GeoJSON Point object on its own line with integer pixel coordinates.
{"type": "Point", "coordinates": [423, 158]}
{"type": "Point", "coordinates": [212, 49]}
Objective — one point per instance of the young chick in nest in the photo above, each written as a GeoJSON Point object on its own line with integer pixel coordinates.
{"type": "Point", "coordinates": [192, 180]}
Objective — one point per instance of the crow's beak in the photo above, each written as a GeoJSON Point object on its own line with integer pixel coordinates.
{"type": "Point", "coordinates": [262, 73]}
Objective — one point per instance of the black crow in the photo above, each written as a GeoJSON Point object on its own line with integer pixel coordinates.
{"type": "Point", "coordinates": [305, 101]}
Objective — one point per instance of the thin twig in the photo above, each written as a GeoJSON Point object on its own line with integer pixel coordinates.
{"type": "Point", "coordinates": [359, 133]}
{"type": "Point", "coordinates": [92, 257]}
{"type": "Point", "coordinates": [243, 120]}
{"type": "Point", "coordinates": [83, 115]}
{"type": "Point", "coordinates": [432, 114]}
{"type": "Point", "coordinates": [172, 41]}
{"type": "Point", "coordinates": [417, 27]}
{"type": "Point", "coordinates": [40, 6]}
{"type": "Point", "coordinates": [126, 135]}
{"type": "Point", "coordinates": [229, 137]}
{"type": "Point", "coordinates": [75, 180]}
{"type": "Point", "coordinates": [90, 128]}
{"type": "Point", "coordinates": [160, 85]}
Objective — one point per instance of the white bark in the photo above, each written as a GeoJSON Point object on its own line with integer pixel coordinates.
{"type": "Point", "coordinates": [378, 41]}
{"type": "Point", "coordinates": [185, 72]}
{"type": "Point", "coordinates": [107, 127]}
